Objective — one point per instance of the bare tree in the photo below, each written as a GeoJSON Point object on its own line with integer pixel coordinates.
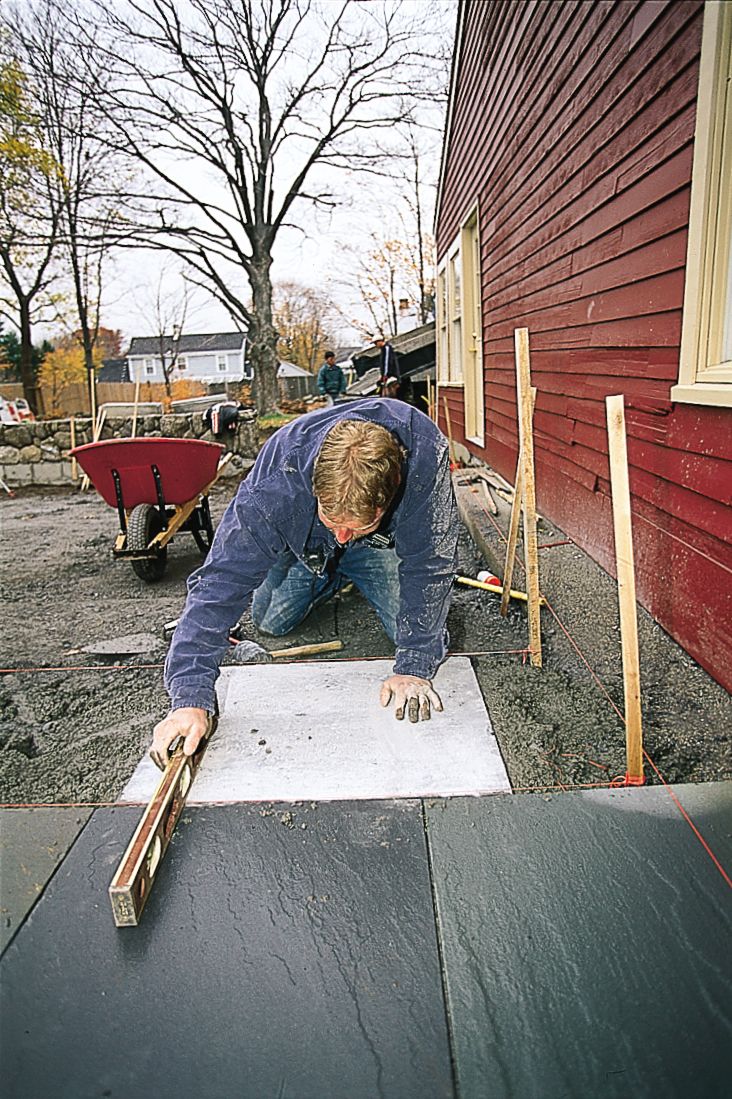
{"type": "Point", "coordinates": [241, 109]}
{"type": "Point", "coordinates": [91, 179]}
{"type": "Point", "coordinates": [29, 211]}
{"type": "Point", "coordinates": [166, 313]}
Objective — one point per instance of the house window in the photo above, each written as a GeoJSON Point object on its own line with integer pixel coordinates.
{"type": "Point", "coordinates": [149, 366]}
{"type": "Point", "coordinates": [182, 364]}
{"type": "Point", "coordinates": [455, 312]}
{"type": "Point", "coordinates": [443, 369]}
{"type": "Point", "coordinates": [705, 369]}
{"type": "Point", "coordinates": [222, 364]}
{"type": "Point", "coordinates": [471, 330]}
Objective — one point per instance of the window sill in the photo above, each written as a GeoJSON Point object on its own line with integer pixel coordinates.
{"type": "Point", "coordinates": [718, 395]}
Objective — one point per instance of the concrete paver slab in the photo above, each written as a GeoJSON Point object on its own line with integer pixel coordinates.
{"type": "Point", "coordinates": [32, 844]}
{"type": "Point", "coordinates": [317, 731]}
{"type": "Point", "coordinates": [587, 943]}
{"type": "Point", "coordinates": [272, 960]}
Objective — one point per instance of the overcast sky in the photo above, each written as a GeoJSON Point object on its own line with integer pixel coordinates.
{"type": "Point", "coordinates": [320, 252]}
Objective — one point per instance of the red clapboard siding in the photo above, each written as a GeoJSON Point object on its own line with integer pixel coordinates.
{"type": "Point", "coordinates": [572, 127]}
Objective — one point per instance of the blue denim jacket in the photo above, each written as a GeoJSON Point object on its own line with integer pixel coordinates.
{"type": "Point", "coordinates": [275, 509]}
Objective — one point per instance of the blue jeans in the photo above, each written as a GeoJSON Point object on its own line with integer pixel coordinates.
{"type": "Point", "coordinates": [290, 590]}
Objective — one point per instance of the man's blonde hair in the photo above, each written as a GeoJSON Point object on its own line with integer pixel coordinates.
{"type": "Point", "coordinates": [357, 470]}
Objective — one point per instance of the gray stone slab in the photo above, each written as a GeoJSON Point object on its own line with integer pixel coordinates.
{"type": "Point", "coordinates": [317, 731]}
{"type": "Point", "coordinates": [272, 960]}
{"type": "Point", "coordinates": [587, 945]}
{"type": "Point", "coordinates": [32, 844]}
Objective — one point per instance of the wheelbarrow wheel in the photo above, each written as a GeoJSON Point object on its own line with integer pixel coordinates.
{"type": "Point", "coordinates": [202, 530]}
{"type": "Point", "coordinates": [143, 525]}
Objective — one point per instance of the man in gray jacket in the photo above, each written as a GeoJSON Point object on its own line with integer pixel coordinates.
{"type": "Point", "coordinates": [359, 492]}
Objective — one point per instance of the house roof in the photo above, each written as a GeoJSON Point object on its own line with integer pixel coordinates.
{"type": "Point", "coordinates": [292, 370]}
{"type": "Point", "coordinates": [113, 370]}
{"type": "Point", "coordinates": [405, 342]}
{"type": "Point", "coordinates": [188, 344]}
{"type": "Point", "coordinates": [343, 353]}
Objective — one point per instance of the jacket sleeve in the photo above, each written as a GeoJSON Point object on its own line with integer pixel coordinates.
{"type": "Point", "coordinates": [321, 381]}
{"type": "Point", "coordinates": [426, 543]}
{"type": "Point", "coordinates": [244, 548]}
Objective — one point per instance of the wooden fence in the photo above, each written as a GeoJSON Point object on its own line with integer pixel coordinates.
{"type": "Point", "coordinates": [73, 400]}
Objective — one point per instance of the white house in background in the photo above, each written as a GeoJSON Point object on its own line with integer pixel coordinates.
{"type": "Point", "coordinates": [211, 357]}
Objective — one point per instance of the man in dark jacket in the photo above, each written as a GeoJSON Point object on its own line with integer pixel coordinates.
{"type": "Point", "coordinates": [360, 492]}
{"type": "Point", "coordinates": [331, 379]}
{"type": "Point", "coordinates": [388, 364]}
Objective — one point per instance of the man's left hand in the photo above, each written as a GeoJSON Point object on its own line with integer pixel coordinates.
{"type": "Point", "coordinates": [410, 694]}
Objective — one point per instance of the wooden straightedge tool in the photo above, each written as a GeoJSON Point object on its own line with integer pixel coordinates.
{"type": "Point", "coordinates": [135, 876]}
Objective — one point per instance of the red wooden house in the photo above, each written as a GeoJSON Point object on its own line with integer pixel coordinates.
{"type": "Point", "coordinates": [586, 194]}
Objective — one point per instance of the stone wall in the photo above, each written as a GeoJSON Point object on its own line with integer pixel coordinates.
{"type": "Point", "coordinates": [37, 452]}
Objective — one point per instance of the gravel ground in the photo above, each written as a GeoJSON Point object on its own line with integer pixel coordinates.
{"type": "Point", "coordinates": [76, 730]}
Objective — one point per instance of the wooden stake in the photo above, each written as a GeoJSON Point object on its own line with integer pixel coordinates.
{"type": "Point", "coordinates": [620, 485]}
{"type": "Point", "coordinates": [134, 411]}
{"type": "Point", "coordinates": [513, 525]}
{"type": "Point", "coordinates": [526, 439]}
{"type": "Point", "coordinates": [74, 462]}
{"type": "Point", "coordinates": [85, 482]}
{"type": "Point", "coordinates": [451, 448]}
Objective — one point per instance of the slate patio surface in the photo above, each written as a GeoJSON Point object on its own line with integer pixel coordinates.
{"type": "Point", "coordinates": [527, 946]}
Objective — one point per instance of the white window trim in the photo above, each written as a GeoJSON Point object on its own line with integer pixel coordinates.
{"type": "Point", "coordinates": [703, 377]}
{"type": "Point", "coordinates": [472, 342]}
{"type": "Point", "coordinates": [441, 329]}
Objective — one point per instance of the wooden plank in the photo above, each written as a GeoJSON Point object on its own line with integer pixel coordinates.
{"type": "Point", "coordinates": [449, 431]}
{"type": "Point", "coordinates": [135, 876]}
{"type": "Point", "coordinates": [74, 461]}
{"type": "Point", "coordinates": [526, 441]}
{"type": "Point", "coordinates": [513, 524]}
{"type": "Point", "coordinates": [626, 586]}
{"type": "Point", "coordinates": [98, 425]}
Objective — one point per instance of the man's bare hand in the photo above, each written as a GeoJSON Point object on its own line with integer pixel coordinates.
{"type": "Point", "coordinates": [189, 722]}
{"type": "Point", "coordinates": [410, 693]}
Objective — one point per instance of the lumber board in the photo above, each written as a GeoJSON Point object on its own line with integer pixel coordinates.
{"type": "Point", "coordinates": [622, 525]}
{"type": "Point", "coordinates": [526, 443]}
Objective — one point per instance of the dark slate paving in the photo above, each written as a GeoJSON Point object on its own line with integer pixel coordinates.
{"type": "Point", "coordinates": [32, 844]}
{"type": "Point", "coordinates": [272, 960]}
{"type": "Point", "coordinates": [587, 943]}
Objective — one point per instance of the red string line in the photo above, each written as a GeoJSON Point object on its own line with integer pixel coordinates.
{"type": "Point", "coordinates": [280, 660]}
{"type": "Point", "coordinates": [601, 685]}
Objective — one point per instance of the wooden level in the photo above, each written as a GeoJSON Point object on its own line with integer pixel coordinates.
{"type": "Point", "coordinates": [135, 876]}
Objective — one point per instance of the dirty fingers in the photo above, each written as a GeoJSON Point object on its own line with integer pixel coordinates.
{"type": "Point", "coordinates": [189, 722]}
{"type": "Point", "coordinates": [412, 695]}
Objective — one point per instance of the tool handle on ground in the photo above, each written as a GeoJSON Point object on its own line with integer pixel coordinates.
{"type": "Point", "coordinates": [520, 595]}
{"type": "Point", "coordinates": [308, 650]}
{"type": "Point", "coordinates": [135, 876]}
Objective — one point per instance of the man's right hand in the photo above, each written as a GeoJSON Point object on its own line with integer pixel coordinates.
{"type": "Point", "coordinates": [188, 722]}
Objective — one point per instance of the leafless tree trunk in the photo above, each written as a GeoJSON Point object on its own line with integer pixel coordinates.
{"type": "Point", "coordinates": [242, 109]}
{"type": "Point", "coordinates": [90, 179]}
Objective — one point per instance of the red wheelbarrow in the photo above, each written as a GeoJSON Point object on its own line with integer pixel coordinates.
{"type": "Point", "coordinates": [159, 487]}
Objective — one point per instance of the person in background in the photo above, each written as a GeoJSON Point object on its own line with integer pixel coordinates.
{"type": "Point", "coordinates": [388, 363]}
{"type": "Point", "coordinates": [358, 492]}
{"type": "Point", "coordinates": [331, 379]}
